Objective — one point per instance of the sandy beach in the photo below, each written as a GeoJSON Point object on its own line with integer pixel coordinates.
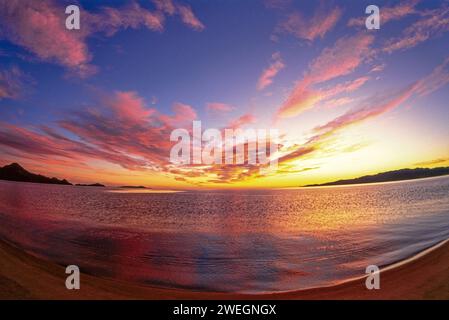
{"type": "Point", "coordinates": [23, 276]}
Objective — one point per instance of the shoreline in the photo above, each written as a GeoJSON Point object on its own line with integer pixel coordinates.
{"type": "Point", "coordinates": [423, 276]}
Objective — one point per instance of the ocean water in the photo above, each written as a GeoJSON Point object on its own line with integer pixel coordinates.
{"type": "Point", "coordinates": [228, 241]}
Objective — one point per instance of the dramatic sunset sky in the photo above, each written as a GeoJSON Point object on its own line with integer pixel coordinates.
{"type": "Point", "coordinates": [99, 104]}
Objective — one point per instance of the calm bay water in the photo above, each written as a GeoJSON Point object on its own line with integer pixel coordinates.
{"type": "Point", "coordinates": [237, 241]}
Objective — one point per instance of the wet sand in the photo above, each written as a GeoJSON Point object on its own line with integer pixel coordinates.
{"type": "Point", "coordinates": [23, 276]}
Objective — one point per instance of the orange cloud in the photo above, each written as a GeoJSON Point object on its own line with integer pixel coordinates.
{"type": "Point", "coordinates": [438, 78]}
{"type": "Point", "coordinates": [360, 115]}
{"type": "Point", "coordinates": [432, 162]}
{"type": "Point", "coordinates": [266, 78]}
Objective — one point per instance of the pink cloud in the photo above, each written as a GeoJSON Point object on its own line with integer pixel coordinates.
{"type": "Point", "coordinates": [171, 8]}
{"type": "Point", "coordinates": [166, 6]}
{"type": "Point", "coordinates": [335, 103]}
{"type": "Point", "coordinates": [50, 147]}
{"type": "Point", "coordinates": [311, 28]}
{"type": "Point", "coordinates": [345, 87]}
{"type": "Point", "coordinates": [397, 12]}
{"type": "Point", "coordinates": [266, 78]}
{"type": "Point", "coordinates": [109, 20]}
{"type": "Point", "coordinates": [242, 121]}
{"type": "Point", "coordinates": [120, 130]}
{"type": "Point", "coordinates": [183, 114]}
{"type": "Point", "coordinates": [145, 139]}
{"type": "Point", "coordinates": [219, 107]}
{"type": "Point", "coordinates": [189, 18]}
{"type": "Point", "coordinates": [432, 24]}
{"type": "Point", "coordinates": [341, 59]}
{"type": "Point", "coordinates": [353, 117]}
{"type": "Point", "coordinates": [333, 62]}
{"type": "Point", "coordinates": [129, 107]}
{"type": "Point", "coordinates": [437, 79]}
{"type": "Point", "coordinates": [39, 27]}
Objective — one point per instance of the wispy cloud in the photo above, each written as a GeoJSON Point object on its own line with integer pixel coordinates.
{"type": "Point", "coordinates": [313, 27]}
{"type": "Point", "coordinates": [165, 6]}
{"type": "Point", "coordinates": [432, 24]}
{"type": "Point", "coordinates": [109, 20]}
{"type": "Point", "coordinates": [437, 79]}
{"type": "Point", "coordinates": [432, 162]}
{"type": "Point", "coordinates": [121, 130]}
{"type": "Point", "coordinates": [388, 14]}
{"type": "Point", "coordinates": [11, 82]}
{"type": "Point", "coordinates": [241, 121]}
{"type": "Point", "coordinates": [219, 107]}
{"type": "Point", "coordinates": [333, 62]}
{"type": "Point", "coordinates": [39, 27]}
{"type": "Point", "coordinates": [183, 114]}
{"type": "Point", "coordinates": [189, 18]}
{"type": "Point", "coordinates": [129, 107]}
{"type": "Point", "coordinates": [171, 7]}
{"type": "Point", "coordinates": [266, 78]}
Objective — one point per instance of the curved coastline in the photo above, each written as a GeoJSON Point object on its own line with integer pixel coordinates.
{"type": "Point", "coordinates": [423, 276]}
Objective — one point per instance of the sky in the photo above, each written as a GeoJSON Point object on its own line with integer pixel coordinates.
{"type": "Point", "coordinates": [99, 104]}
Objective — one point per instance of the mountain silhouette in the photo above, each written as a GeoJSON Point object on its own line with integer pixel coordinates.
{"type": "Point", "coordinates": [15, 172]}
{"type": "Point", "coordinates": [396, 175]}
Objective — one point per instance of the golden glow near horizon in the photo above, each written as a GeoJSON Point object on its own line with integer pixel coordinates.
{"type": "Point", "coordinates": [347, 101]}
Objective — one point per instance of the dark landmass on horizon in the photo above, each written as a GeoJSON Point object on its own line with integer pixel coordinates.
{"type": "Point", "coordinates": [90, 185]}
{"type": "Point", "coordinates": [133, 187]}
{"type": "Point", "coordinates": [395, 175]}
{"type": "Point", "coordinates": [15, 172]}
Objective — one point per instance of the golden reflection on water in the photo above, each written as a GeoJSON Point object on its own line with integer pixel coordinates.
{"type": "Point", "coordinates": [137, 190]}
{"type": "Point", "coordinates": [246, 241]}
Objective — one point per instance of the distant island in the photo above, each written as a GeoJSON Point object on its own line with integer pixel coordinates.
{"type": "Point", "coordinates": [133, 187]}
{"type": "Point", "coordinates": [90, 185]}
{"type": "Point", "coordinates": [15, 172]}
{"type": "Point", "coordinates": [395, 175]}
